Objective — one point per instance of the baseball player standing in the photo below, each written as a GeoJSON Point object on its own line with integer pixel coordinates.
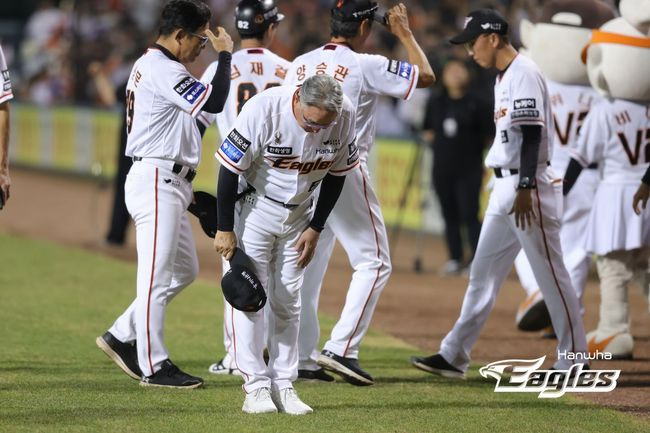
{"type": "Point", "coordinates": [163, 100]}
{"type": "Point", "coordinates": [254, 69]}
{"type": "Point", "coordinates": [5, 95]}
{"type": "Point", "coordinates": [570, 104]}
{"type": "Point", "coordinates": [571, 99]}
{"type": "Point", "coordinates": [285, 142]}
{"type": "Point", "coordinates": [524, 208]}
{"type": "Point", "coordinates": [356, 220]}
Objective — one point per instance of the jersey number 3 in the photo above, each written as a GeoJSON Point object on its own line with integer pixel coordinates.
{"type": "Point", "coordinates": [246, 91]}
{"type": "Point", "coordinates": [130, 102]}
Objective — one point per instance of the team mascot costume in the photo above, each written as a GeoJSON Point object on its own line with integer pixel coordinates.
{"type": "Point", "coordinates": [616, 135]}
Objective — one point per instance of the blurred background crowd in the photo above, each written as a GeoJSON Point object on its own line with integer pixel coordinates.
{"type": "Point", "coordinates": [50, 44]}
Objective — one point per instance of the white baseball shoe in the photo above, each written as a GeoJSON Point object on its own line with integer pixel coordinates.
{"type": "Point", "coordinates": [287, 401]}
{"type": "Point", "coordinates": [619, 344]}
{"type": "Point", "coordinates": [259, 401]}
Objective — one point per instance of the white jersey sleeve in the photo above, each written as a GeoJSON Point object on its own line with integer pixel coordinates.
{"type": "Point", "coordinates": [181, 89]}
{"type": "Point", "coordinates": [388, 77]}
{"type": "Point", "coordinates": [348, 157]}
{"type": "Point", "coordinates": [242, 145]}
{"type": "Point", "coordinates": [527, 92]}
{"type": "Point", "coordinates": [6, 92]}
{"type": "Point", "coordinates": [592, 138]}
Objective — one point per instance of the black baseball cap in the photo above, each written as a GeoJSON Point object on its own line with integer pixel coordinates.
{"type": "Point", "coordinates": [479, 22]}
{"type": "Point", "coordinates": [354, 10]}
{"type": "Point", "coordinates": [240, 285]}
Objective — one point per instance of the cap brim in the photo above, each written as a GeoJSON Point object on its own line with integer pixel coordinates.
{"type": "Point", "coordinates": [464, 36]}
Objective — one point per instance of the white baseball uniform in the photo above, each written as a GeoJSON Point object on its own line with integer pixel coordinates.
{"type": "Point", "coordinates": [5, 92]}
{"type": "Point", "coordinates": [616, 135]}
{"type": "Point", "coordinates": [163, 100]}
{"type": "Point", "coordinates": [253, 70]}
{"type": "Point", "coordinates": [284, 164]}
{"type": "Point", "coordinates": [356, 220]}
{"type": "Point", "coordinates": [569, 104]}
{"type": "Point", "coordinates": [521, 98]}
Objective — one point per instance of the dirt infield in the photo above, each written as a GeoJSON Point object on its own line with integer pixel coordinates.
{"type": "Point", "coordinates": [417, 307]}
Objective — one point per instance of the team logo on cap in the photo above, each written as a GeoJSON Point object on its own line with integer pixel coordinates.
{"type": "Point", "coordinates": [467, 20]}
{"type": "Point", "coordinates": [491, 26]}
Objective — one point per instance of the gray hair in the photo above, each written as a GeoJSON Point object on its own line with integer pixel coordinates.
{"type": "Point", "coordinates": [322, 91]}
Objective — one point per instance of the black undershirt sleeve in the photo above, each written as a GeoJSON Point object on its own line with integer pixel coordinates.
{"type": "Point", "coordinates": [220, 85]}
{"type": "Point", "coordinates": [646, 177]}
{"type": "Point", "coordinates": [330, 191]}
{"type": "Point", "coordinates": [571, 174]}
{"type": "Point", "coordinates": [531, 139]}
{"type": "Point", "coordinates": [226, 198]}
{"type": "Point", "coordinates": [201, 127]}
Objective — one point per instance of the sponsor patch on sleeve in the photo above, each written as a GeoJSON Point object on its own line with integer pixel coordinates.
{"type": "Point", "coordinates": [193, 93]}
{"type": "Point", "coordinates": [522, 104]}
{"type": "Point", "coordinates": [238, 140]}
{"type": "Point", "coordinates": [405, 69]}
{"type": "Point", "coordinates": [231, 151]}
{"type": "Point", "coordinates": [393, 66]}
{"type": "Point", "coordinates": [504, 136]}
{"type": "Point", "coordinates": [525, 114]}
{"type": "Point", "coordinates": [184, 85]}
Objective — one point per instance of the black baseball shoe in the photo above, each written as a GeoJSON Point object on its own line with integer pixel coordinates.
{"type": "Point", "coordinates": [436, 364]}
{"type": "Point", "coordinates": [348, 368]}
{"type": "Point", "coordinates": [315, 375]}
{"type": "Point", "coordinates": [170, 376]}
{"type": "Point", "coordinates": [125, 355]}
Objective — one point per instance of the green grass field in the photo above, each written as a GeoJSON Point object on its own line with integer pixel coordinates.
{"type": "Point", "coordinates": [54, 301]}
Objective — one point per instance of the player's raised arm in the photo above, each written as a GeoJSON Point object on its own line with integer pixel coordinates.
{"type": "Point", "coordinates": [398, 24]}
{"type": "Point", "coordinates": [222, 44]}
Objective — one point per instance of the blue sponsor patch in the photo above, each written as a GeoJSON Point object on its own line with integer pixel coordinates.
{"type": "Point", "coordinates": [231, 151]}
{"type": "Point", "coordinates": [405, 69]}
{"type": "Point", "coordinates": [192, 94]}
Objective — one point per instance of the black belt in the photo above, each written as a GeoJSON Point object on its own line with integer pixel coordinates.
{"type": "Point", "coordinates": [284, 205]}
{"type": "Point", "coordinates": [252, 189]}
{"type": "Point", "coordinates": [499, 172]}
{"type": "Point", "coordinates": [593, 166]}
{"type": "Point", "coordinates": [176, 169]}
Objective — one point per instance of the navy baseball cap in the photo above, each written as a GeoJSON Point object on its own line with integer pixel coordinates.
{"type": "Point", "coordinates": [479, 22]}
{"type": "Point", "coordinates": [354, 10]}
{"type": "Point", "coordinates": [240, 285]}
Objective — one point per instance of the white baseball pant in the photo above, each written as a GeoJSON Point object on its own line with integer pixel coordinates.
{"type": "Point", "coordinates": [268, 232]}
{"type": "Point", "coordinates": [157, 200]}
{"type": "Point", "coordinates": [498, 245]}
{"type": "Point", "coordinates": [578, 204]}
{"type": "Point", "coordinates": [357, 223]}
